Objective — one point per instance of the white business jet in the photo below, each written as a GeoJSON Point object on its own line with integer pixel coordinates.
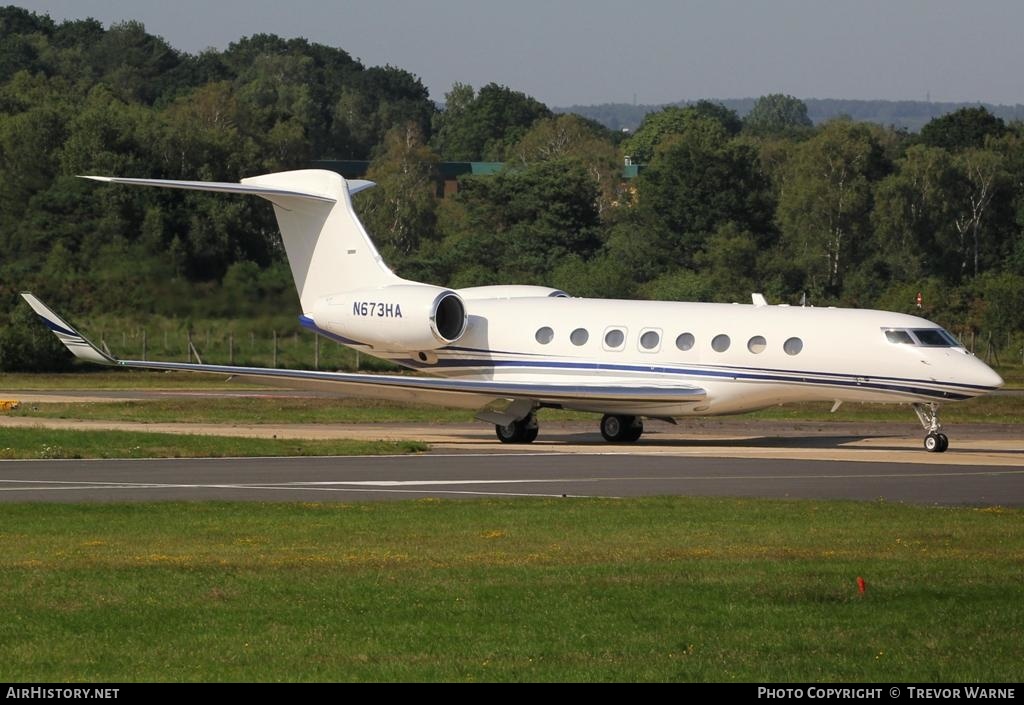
{"type": "Point", "coordinates": [507, 351]}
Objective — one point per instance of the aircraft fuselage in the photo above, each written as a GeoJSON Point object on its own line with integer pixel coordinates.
{"type": "Point", "coordinates": [746, 357]}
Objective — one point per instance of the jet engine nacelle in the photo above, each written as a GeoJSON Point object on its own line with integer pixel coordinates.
{"type": "Point", "coordinates": [398, 317]}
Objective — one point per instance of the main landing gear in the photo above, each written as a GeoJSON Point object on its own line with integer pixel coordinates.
{"type": "Point", "coordinates": [621, 429]}
{"type": "Point", "coordinates": [523, 431]}
{"type": "Point", "coordinates": [935, 441]}
{"type": "Point", "coordinates": [615, 429]}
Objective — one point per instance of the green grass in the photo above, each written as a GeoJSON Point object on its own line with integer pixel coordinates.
{"type": "Point", "coordinates": [246, 410]}
{"type": "Point", "coordinates": [1012, 374]}
{"type": "Point", "coordinates": [1000, 409]}
{"type": "Point", "coordinates": [94, 377]}
{"type": "Point", "coordinates": [991, 409]}
{"type": "Point", "coordinates": [656, 589]}
{"type": "Point", "coordinates": [57, 443]}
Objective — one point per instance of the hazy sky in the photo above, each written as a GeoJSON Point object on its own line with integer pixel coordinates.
{"type": "Point", "coordinates": [595, 51]}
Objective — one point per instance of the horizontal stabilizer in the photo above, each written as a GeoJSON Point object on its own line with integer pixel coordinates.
{"type": "Point", "coordinates": [265, 191]}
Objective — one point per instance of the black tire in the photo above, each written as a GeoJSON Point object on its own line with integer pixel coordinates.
{"type": "Point", "coordinates": [932, 444]}
{"type": "Point", "coordinates": [522, 431]}
{"type": "Point", "coordinates": [943, 443]}
{"type": "Point", "coordinates": [621, 429]}
{"type": "Point", "coordinates": [511, 433]}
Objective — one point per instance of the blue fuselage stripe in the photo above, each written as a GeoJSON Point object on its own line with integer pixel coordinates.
{"type": "Point", "coordinates": [810, 378]}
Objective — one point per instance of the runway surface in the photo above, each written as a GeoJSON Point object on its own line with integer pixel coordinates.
{"type": "Point", "coordinates": [735, 457]}
{"type": "Point", "coordinates": [467, 475]}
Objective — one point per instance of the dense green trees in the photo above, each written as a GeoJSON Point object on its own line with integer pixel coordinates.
{"type": "Point", "coordinates": [518, 225]}
{"type": "Point", "coordinates": [481, 126]}
{"type": "Point", "coordinates": [963, 129]}
{"type": "Point", "coordinates": [845, 213]}
{"type": "Point", "coordinates": [777, 114]}
{"type": "Point", "coordinates": [401, 210]}
{"type": "Point", "coordinates": [697, 181]}
{"type": "Point", "coordinates": [672, 121]}
{"type": "Point", "coordinates": [825, 212]}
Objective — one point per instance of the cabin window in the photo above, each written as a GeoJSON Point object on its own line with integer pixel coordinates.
{"type": "Point", "coordinates": [650, 340]}
{"type": "Point", "coordinates": [580, 336]}
{"type": "Point", "coordinates": [793, 346]}
{"type": "Point", "coordinates": [899, 336]}
{"type": "Point", "coordinates": [684, 341]}
{"type": "Point", "coordinates": [614, 339]}
{"type": "Point", "coordinates": [720, 343]}
{"type": "Point", "coordinates": [545, 335]}
{"type": "Point", "coordinates": [757, 344]}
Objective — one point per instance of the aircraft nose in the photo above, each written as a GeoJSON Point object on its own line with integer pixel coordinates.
{"type": "Point", "coordinates": [985, 376]}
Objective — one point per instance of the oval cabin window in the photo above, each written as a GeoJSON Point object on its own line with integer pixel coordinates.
{"type": "Point", "coordinates": [614, 338]}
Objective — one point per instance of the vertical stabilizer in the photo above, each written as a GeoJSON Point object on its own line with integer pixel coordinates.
{"type": "Point", "coordinates": [328, 249]}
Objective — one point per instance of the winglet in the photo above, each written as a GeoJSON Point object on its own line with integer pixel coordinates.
{"type": "Point", "coordinates": [72, 339]}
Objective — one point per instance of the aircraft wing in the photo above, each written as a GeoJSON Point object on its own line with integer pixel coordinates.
{"type": "Point", "coordinates": [459, 393]}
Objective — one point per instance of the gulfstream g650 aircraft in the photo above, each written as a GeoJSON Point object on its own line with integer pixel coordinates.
{"type": "Point", "coordinates": [507, 351]}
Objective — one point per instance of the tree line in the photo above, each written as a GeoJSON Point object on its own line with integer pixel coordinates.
{"type": "Point", "coordinates": [909, 115]}
{"type": "Point", "coordinates": [842, 213]}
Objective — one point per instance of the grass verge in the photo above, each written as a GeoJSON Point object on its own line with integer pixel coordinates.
{"type": "Point", "coordinates": [18, 443]}
{"type": "Point", "coordinates": [104, 378]}
{"type": "Point", "coordinates": [246, 410]}
{"type": "Point", "coordinates": [991, 409]}
{"type": "Point", "coordinates": [655, 589]}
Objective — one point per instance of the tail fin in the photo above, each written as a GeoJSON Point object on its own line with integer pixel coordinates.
{"type": "Point", "coordinates": [328, 249]}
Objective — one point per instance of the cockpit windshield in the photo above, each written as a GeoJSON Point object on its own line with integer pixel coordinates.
{"type": "Point", "coordinates": [924, 337]}
{"type": "Point", "coordinates": [933, 337]}
{"type": "Point", "coordinates": [899, 336]}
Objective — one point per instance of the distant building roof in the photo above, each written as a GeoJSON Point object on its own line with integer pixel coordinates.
{"type": "Point", "coordinates": [451, 170]}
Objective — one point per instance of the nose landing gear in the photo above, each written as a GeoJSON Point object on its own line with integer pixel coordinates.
{"type": "Point", "coordinates": [935, 441]}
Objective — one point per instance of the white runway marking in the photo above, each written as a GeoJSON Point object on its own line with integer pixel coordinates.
{"type": "Point", "coordinates": [35, 485]}
{"type": "Point", "coordinates": [447, 486]}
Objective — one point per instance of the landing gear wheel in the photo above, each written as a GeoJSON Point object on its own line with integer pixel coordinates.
{"type": "Point", "coordinates": [621, 429]}
{"type": "Point", "coordinates": [522, 431]}
{"type": "Point", "coordinates": [509, 433]}
{"type": "Point", "coordinates": [936, 442]}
